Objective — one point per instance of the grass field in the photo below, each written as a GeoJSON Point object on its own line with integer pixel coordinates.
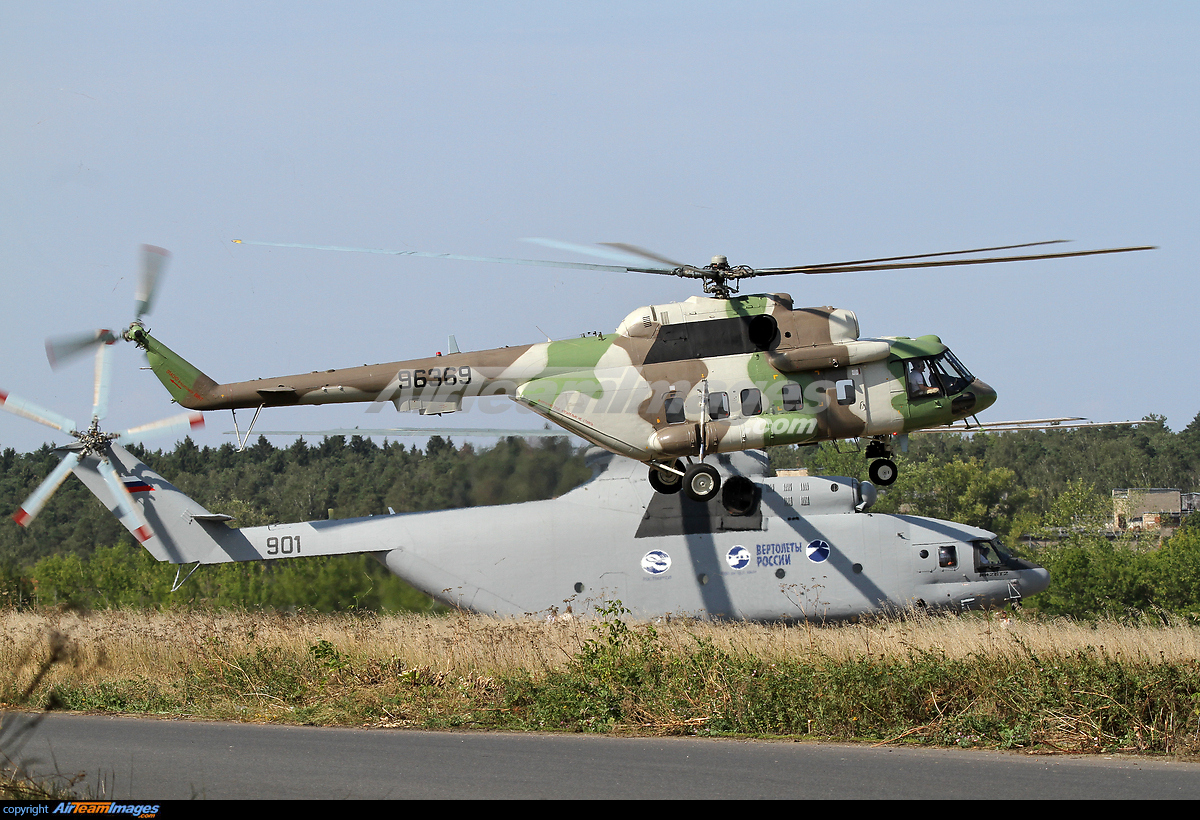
{"type": "Point", "coordinates": [978, 681]}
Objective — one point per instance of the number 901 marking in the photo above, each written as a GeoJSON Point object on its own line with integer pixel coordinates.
{"type": "Point", "coordinates": [286, 545]}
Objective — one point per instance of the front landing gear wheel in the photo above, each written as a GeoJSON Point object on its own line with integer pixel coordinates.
{"type": "Point", "coordinates": [701, 482]}
{"type": "Point", "coordinates": [664, 482]}
{"type": "Point", "coordinates": [883, 472]}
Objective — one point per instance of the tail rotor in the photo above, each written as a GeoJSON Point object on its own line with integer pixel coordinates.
{"type": "Point", "coordinates": [61, 350]}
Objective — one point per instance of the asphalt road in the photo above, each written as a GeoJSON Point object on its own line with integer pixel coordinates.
{"type": "Point", "coordinates": [139, 758]}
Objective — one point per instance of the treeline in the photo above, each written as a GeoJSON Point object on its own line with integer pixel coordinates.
{"type": "Point", "coordinates": [1052, 486]}
{"type": "Point", "coordinates": [76, 551]}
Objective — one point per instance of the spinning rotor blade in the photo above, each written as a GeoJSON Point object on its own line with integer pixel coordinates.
{"type": "Point", "coordinates": [33, 412]}
{"type": "Point", "coordinates": [103, 377]}
{"type": "Point", "coordinates": [866, 265]}
{"type": "Point", "coordinates": [930, 255]}
{"type": "Point", "coordinates": [645, 254]}
{"type": "Point", "coordinates": [174, 424]}
{"type": "Point", "coordinates": [719, 273]}
{"type": "Point", "coordinates": [62, 349]}
{"type": "Point", "coordinates": [586, 250]}
{"type": "Point", "coordinates": [153, 261]}
{"type": "Point", "coordinates": [545, 263]}
{"type": "Point", "coordinates": [127, 510]}
{"type": "Point", "coordinates": [33, 505]}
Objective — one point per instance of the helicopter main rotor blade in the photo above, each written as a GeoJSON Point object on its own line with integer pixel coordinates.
{"type": "Point", "coordinates": [645, 254]}
{"type": "Point", "coordinates": [931, 255]}
{"type": "Point", "coordinates": [545, 263]}
{"type": "Point", "coordinates": [103, 377]}
{"type": "Point", "coordinates": [62, 349]}
{"type": "Point", "coordinates": [587, 250]}
{"type": "Point", "coordinates": [34, 504]}
{"type": "Point", "coordinates": [33, 412]}
{"type": "Point", "coordinates": [481, 432]}
{"type": "Point", "coordinates": [174, 424]}
{"type": "Point", "coordinates": [154, 259]}
{"type": "Point", "coordinates": [126, 507]}
{"type": "Point", "coordinates": [939, 263]}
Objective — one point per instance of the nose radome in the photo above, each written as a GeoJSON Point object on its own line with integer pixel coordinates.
{"type": "Point", "coordinates": [985, 395]}
{"type": "Point", "coordinates": [1034, 580]}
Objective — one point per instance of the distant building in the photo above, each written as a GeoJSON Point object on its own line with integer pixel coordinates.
{"type": "Point", "coordinates": [1150, 508]}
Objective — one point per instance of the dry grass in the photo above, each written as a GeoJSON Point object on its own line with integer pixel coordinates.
{"type": "Point", "coordinates": [157, 647]}
{"type": "Point", "coordinates": [978, 680]}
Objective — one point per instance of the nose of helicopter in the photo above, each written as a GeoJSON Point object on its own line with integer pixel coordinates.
{"type": "Point", "coordinates": [985, 395]}
{"type": "Point", "coordinates": [1034, 580]}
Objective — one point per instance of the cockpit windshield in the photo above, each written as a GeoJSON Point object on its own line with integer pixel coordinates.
{"type": "Point", "coordinates": [992, 556]}
{"type": "Point", "coordinates": [941, 375]}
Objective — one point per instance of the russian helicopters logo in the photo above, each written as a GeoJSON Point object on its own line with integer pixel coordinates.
{"type": "Point", "coordinates": [656, 562]}
{"type": "Point", "coordinates": [738, 558]}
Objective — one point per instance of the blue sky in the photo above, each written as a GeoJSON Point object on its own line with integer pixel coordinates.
{"type": "Point", "coordinates": [773, 133]}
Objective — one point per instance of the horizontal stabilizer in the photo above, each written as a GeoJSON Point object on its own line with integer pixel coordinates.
{"type": "Point", "coordinates": [180, 530]}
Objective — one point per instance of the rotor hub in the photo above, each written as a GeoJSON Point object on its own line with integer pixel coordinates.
{"type": "Point", "coordinates": [91, 440]}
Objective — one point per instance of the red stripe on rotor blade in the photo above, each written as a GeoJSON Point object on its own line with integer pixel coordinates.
{"type": "Point", "coordinates": [197, 421]}
{"type": "Point", "coordinates": [21, 517]}
{"type": "Point", "coordinates": [142, 534]}
{"type": "Point", "coordinates": [3, 397]}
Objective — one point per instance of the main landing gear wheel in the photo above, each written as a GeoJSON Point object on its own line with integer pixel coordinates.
{"type": "Point", "coordinates": [664, 482]}
{"type": "Point", "coordinates": [883, 472]}
{"type": "Point", "coordinates": [701, 482]}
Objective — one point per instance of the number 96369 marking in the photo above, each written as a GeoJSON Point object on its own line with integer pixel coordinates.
{"type": "Point", "coordinates": [435, 376]}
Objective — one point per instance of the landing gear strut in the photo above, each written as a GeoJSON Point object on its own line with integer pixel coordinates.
{"type": "Point", "coordinates": [883, 470]}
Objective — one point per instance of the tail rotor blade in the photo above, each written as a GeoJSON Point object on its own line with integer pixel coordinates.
{"type": "Point", "coordinates": [168, 426]}
{"type": "Point", "coordinates": [127, 510]}
{"type": "Point", "coordinates": [103, 376]}
{"type": "Point", "coordinates": [154, 259]}
{"type": "Point", "coordinates": [62, 349]}
{"type": "Point", "coordinates": [33, 412]}
{"type": "Point", "coordinates": [33, 505]}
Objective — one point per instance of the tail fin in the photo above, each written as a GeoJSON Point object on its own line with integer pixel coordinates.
{"type": "Point", "coordinates": [183, 531]}
{"type": "Point", "coordinates": [186, 384]}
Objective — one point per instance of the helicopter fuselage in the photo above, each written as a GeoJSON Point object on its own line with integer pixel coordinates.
{"type": "Point", "coordinates": [684, 379]}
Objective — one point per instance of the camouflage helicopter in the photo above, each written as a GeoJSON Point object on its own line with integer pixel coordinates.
{"type": "Point", "coordinates": [672, 385]}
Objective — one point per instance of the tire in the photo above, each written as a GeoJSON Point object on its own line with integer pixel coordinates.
{"type": "Point", "coordinates": [883, 472]}
{"type": "Point", "coordinates": [701, 482]}
{"type": "Point", "coordinates": [664, 482]}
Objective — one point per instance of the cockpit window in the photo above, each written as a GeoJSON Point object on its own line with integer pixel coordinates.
{"type": "Point", "coordinates": [937, 375]}
{"type": "Point", "coordinates": [991, 556]}
{"type": "Point", "coordinates": [920, 378]}
{"type": "Point", "coordinates": [955, 377]}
